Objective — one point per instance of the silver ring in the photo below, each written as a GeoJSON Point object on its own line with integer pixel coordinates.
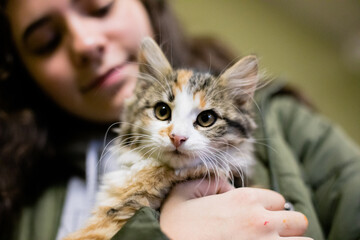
{"type": "Point", "coordinates": [288, 206]}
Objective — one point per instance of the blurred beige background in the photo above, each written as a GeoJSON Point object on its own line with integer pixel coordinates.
{"type": "Point", "coordinates": [315, 45]}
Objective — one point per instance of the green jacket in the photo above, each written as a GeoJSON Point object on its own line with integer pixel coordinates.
{"type": "Point", "coordinates": [300, 154]}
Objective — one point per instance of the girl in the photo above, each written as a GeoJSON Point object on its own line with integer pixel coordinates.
{"type": "Point", "coordinates": [60, 91]}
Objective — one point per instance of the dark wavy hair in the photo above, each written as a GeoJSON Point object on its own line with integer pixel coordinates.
{"type": "Point", "coordinates": [33, 127]}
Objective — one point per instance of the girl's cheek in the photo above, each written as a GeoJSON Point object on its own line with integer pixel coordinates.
{"type": "Point", "coordinates": [53, 73]}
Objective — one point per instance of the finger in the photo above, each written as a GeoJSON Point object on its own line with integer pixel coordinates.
{"type": "Point", "coordinates": [291, 223]}
{"type": "Point", "coordinates": [212, 186]}
{"type": "Point", "coordinates": [200, 188]}
{"type": "Point", "coordinates": [271, 200]}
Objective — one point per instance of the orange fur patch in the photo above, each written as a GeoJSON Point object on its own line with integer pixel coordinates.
{"type": "Point", "coordinates": [182, 79]}
{"type": "Point", "coordinates": [166, 131]}
{"type": "Point", "coordinates": [201, 96]}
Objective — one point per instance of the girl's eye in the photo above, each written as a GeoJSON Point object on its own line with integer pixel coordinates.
{"type": "Point", "coordinates": [43, 40]}
{"type": "Point", "coordinates": [102, 11]}
{"type": "Point", "coordinates": [206, 118]}
{"type": "Point", "coordinates": [162, 111]}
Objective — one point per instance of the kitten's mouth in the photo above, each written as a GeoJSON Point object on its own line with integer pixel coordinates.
{"type": "Point", "coordinates": [177, 152]}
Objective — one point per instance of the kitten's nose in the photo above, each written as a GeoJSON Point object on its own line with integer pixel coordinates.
{"type": "Point", "coordinates": [177, 140]}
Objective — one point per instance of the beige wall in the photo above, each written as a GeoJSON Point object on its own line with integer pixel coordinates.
{"type": "Point", "coordinates": [288, 48]}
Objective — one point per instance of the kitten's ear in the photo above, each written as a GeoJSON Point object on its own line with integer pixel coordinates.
{"type": "Point", "coordinates": [242, 79]}
{"type": "Point", "coordinates": [152, 60]}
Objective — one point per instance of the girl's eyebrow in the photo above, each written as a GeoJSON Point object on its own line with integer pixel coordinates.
{"type": "Point", "coordinates": [33, 26]}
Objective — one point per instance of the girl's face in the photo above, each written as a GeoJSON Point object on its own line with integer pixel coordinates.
{"type": "Point", "coordinates": [81, 52]}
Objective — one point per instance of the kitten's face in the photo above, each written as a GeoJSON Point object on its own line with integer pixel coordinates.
{"type": "Point", "coordinates": [178, 120]}
{"type": "Point", "coordinates": [183, 118]}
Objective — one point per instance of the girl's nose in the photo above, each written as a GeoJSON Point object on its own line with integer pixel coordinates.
{"type": "Point", "coordinates": [87, 42]}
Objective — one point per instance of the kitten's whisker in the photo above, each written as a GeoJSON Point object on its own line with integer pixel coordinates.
{"type": "Point", "coordinates": [123, 139]}
{"type": "Point", "coordinates": [199, 154]}
{"type": "Point", "coordinates": [107, 132]}
{"type": "Point", "coordinates": [158, 156]}
{"type": "Point", "coordinates": [207, 170]}
{"type": "Point", "coordinates": [115, 152]}
{"type": "Point", "coordinates": [137, 149]}
{"type": "Point", "coordinates": [151, 150]}
{"type": "Point", "coordinates": [130, 146]}
{"type": "Point", "coordinates": [227, 144]}
{"type": "Point", "coordinates": [109, 144]}
{"type": "Point", "coordinates": [133, 124]}
{"type": "Point", "coordinates": [226, 165]}
{"type": "Point", "coordinates": [150, 153]}
{"type": "Point", "coordinates": [215, 156]}
{"type": "Point", "coordinates": [209, 159]}
{"type": "Point", "coordinates": [118, 137]}
{"type": "Point", "coordinates": [264, 144]}
{"type": "Point", "coordinates": [223, 158]}
{"type": "Point", "coordinates": [240, 151]}
{"type": "Point", "coordinates": [127, 140]}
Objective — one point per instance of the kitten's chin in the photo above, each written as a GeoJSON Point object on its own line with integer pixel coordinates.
{"type": "Point", "coordinates": [179, 160]}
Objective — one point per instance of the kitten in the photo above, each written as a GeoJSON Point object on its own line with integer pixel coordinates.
{"type": "Point", "coordinates": [179, 125]}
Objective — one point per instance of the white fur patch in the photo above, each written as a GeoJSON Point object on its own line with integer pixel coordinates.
{"type": "Point", "coordinates": [130, 162]}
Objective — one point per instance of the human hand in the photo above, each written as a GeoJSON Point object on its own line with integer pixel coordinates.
{"type": "Point", "coordinates": [215, 210]}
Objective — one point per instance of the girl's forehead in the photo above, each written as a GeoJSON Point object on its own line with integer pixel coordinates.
{"type": "Point", "coordinates": [22, 13]}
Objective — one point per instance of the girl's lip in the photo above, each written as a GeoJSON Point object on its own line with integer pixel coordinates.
{"type": "Point", "coordinates": [109, 76]}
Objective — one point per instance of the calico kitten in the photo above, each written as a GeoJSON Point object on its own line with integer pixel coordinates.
{"type": "Point", "coordinates": [179, 125]}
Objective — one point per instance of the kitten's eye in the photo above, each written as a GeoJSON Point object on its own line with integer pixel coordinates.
{"type": "Point", "coordinates": [206, 118]}
{"type": "Point", "coordinates": [162, 111]}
